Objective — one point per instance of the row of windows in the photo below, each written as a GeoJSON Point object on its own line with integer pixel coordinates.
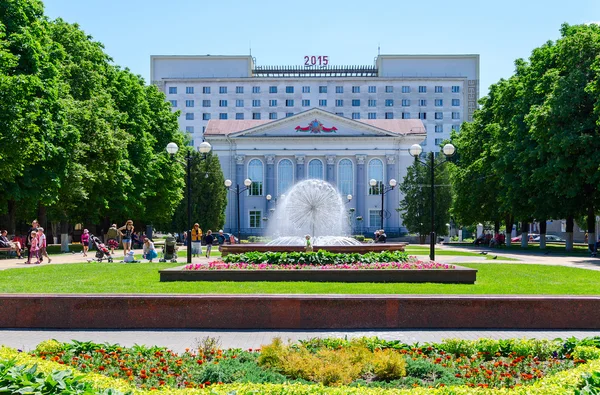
{"type": "Point", "coordinates": [255, 217]}
{"type": "Point", "coordinates": [355, 115]}
{"type": "Point", "coordinates": [322, 89]}
{"type": "Point", "coordinates": [322, 103]}
{"type": "Point", "coordinates": [438, 128]}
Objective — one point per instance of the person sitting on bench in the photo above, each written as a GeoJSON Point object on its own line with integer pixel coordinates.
{"type": "Point", "coordinates": [5, 243]}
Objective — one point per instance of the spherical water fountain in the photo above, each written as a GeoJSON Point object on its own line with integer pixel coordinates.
{"type": "Point", "coordinates": [312, 207]}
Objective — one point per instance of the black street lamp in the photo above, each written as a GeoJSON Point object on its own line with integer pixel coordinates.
{"type": "Point", "coordinates": [416, 150]}
{"type": "Point", "coordinates": [247, 183]}
{"type": "Point", "coordinates": [384, 189]}
{"type": "Point", "coordinates": [172, 149]}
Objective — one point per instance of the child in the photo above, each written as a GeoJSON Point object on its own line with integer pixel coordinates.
{"type": "Point", "coordinates": [34, 249]}
{"type": "Point", "coordinates": [85, 241]}
{"type": "Point", "coordinates": [308, 247]}
{"type": "Point", "coordinates": [149, 252]}
{"type": "Point", "coordinates": [209, 239]}
{"type": "Point", "coordinates": [42, 245]}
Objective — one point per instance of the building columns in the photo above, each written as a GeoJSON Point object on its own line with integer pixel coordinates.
{"type": "Point", "coordinates": [360, 190]}
{"type": "Point", "coordinates": [240, 176]}
{"type": "Point", "coordinates": [270, 181]}
{"type": "Point", "coordinates": [391, 200]}
{"type": "Point", "coordinates": [300, 167]}
{"type": "Point", "coordinates": [330, 171]}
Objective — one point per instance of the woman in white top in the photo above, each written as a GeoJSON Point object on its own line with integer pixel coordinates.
{"type": "Point", "coordinates": [149, 252]}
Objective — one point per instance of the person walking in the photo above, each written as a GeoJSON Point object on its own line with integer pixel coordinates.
{"type": "Point", "coordinates": [148, 250]}
{"type": "Point", "coordinates": [127, 234]}
{"type": "Point", "coordinates": [85, 241]}
{"type": "Point", "coordinates": [112, 236]}
{"type": "Point", "coordinates": [42, 244]}
{"type": "Point", "coordinates": [34, 249]}
{"type": "Point", "coordinates": [209, 239]}
{"type": "Point", "coordinates": [196, 240]}
{"type": "Point", "coordinates": [30, 232]}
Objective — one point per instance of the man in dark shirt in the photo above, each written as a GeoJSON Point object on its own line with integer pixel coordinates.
{"type": "Point", "coordinates": [34, 228]}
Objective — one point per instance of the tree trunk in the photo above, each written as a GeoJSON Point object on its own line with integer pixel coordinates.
{"type": "Point", "coordinates": [64, 236]}
{"type": "Point", "coordinates": [12, 217]}
{"type": "Point", "coordinates": [42, 216]}
{"type": "Point", "coordinates": [569, 243]}
{"type": "Point", "coordinates": [591, 228]}
{"type": "Point", "coordinates": [524, 234]}
{"type": "Point", "coordinates": [509, 225]}
{"type": "Point", "coordinates": [542, 234]}
{"type": "Point", "coordinates": [496, 227]}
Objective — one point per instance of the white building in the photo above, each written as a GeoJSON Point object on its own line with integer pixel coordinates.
{"type": "Point", "coordinates": [440, 90]}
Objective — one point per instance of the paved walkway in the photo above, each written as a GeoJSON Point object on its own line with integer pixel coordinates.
{"type": "Point", "coordinates": [180, 340]}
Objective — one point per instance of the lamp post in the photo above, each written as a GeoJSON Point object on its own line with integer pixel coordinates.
{"type": "Point", "coordinates": [247, 183]}
{"type": "Point", "coordinates": [416, 150]}
{"type": "Point", "coordinates": [172, 149]}
{"type": "Point", "coordinates": [384, 189]}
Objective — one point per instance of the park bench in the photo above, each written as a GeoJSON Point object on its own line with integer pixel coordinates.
{"type": "Point", "coordinates": [7, 251]}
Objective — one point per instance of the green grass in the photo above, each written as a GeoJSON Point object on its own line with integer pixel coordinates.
{"type": "Point", "coordinates": [144, 278]}
{"type": "Point", "coordinates": [421, 250]}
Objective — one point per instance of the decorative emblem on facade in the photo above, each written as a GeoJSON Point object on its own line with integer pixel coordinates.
{"type": "Point", "coordinates": [316, 127]}
{"type": "Point", "coordinates": [391, 159]}
{"type": "Point", "coordinates": [300, 159]}
{"type": "Point", "coordinates": [360, 159]}
{"type": "Point", "coordinates": [270, 159]}
{"type": "Point", "coordinates": [331, 159]}
{"type": "Point", "coordinates": [239, 159]}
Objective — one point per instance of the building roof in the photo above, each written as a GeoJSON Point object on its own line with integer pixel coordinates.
{"type": "Point", "coordinates": [399, 126]}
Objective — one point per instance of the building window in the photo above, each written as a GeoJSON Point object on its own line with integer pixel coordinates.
{"type": "Point", "coordinates": [355, 115]}
{"type": "Point", "coordinates": [375, 173]}
{"type": "Point", "coordinates": [173, 103]}
{"type": "Point", "coordinates": [272, 115]}
{"type": "Point", "coordinates": [422, 89]}
{"type": "Point", "coordinates": [405, 89]}
{"type": "Point", "coordinates": [189, 103]}
{"type": "Point", "coordinates": [255, 115]}
{"type": "Point", "coordinates": [285, 176]}
{"type": "Point", "coordinates": [315, 169]}
{"type": "Point", "coordinates": [375, 219]}
{"type": "Point", "coordinates": [323, 102]}
{"type": "Point", "coordinates": [439, 102]}
{"type": "Point", "coordinates": [289, 89]}
{"type": "Point", "coordinates": [455, 128]}
{"type": "Point", "coordinates": [389, 115]}
{"type": "Point", "coordinates": [455, 115]}
{"type": "Point", "coordinates": [389, 89]}
{"type": "Point", "coordinates": [272, 89]}
{"type": "Point", "coordinates": [239, 89]}
{"type": "Point", "coordinates": [372, 115]}
{"type": "Point", "coordinates": [239, 103]}
{"type": "Point", "coordinates": [439, 115]}
{"type": "Point", "coordinates": [289, 114]}
{"type": "Point", "coordinates": [172, 90]}
{"type": "Point", "coordinates": [422, 102]}
{"type": "Point", "coordinates": [255, 103]}
{"type": "Point", "coordinates": [372, 103]}
{"type": "Point", "coordinates": [405, 102]}
{"type": "Point", "coordinates": [205, 103]}
{"type": "Point", "coordinates": [206, 116]}
{"type": "Point", "coordinates": [339, 103]}
{"type": "Point", "coordinates": [189, 90]}
{"type": "Point", "coordinates": [345, 177]}
{"type": "Point", "coordinates": [255, 218]}
{"type": "Point", "coordinates": [239, 115]}
{"type": "Point", "coordinates": [339, 114]}
{"type": "Point", "coordinates": [289, 103]}
{"type": "Point", "coordinates": [256, 174]}
{"type": "Point", "coordinates": [389, 102]}
{"type": "Point", "coordinates": [223, 115]}
{"type": "Point", "coordinates": [422, 115]}
{"type": "Point", "coordinates": [439, 128]}
{"type": "Point", "coordinates": [189, 116]}
{"type": "Point", "coordinates": [306, 89]}
{"type": "Point", "coordinates": [456, 102]}
{"type": "Point", "coordinates": [222, 89]}
{"type": "Point", "coordinates": [438, 142]}
{"type": "Point", "coordinates": [356, 89]}
{"type": "Point", "coordinates": [455, 89]}
{"type": "Point", "coordinates": [372, 89]}
{"type": "Point", "coordinates": [222, 103]}
{"type": "Point", "coordinates": [405, 115]}
{"type": "Point", "coordinates": [339, 89]}
{"type": "Point", "coordinates": [273, 103]}
{"type": "Point", "coordinates": [423, 143]}
{"type": "Point", "coordinates": [203, 129]}
{"type": "Point", "coordinates": [355, 102]}
{"type": "Point", "coordinates": [256, 89]}
{"type": "Point", "coordinates": [189, 129]}
{"type": "Point", "coordinates": [305, 103]}
{"type": "Point", "coordinates": [322, 89]}
{"type": "Point", "coordinates": [439, 89]}
{"type": "Point", "coordinates": [206, 90]}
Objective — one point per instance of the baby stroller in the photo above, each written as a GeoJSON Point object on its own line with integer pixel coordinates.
{"type": "Point", "coordinates": [101, 250]}
{"type": "Point", "coordinates": [169, 250]}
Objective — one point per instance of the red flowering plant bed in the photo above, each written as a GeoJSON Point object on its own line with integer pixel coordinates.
{"type": "Point", "coordinates": [382, 364]}
{"type": "Point", "coordinates": [412, 264]}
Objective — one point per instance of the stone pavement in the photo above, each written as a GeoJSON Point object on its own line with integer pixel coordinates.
{"type": "Point", "coordinates": [180, 340]}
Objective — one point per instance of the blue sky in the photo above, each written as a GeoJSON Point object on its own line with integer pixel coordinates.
{"type": "Point", "coordinates": [349, 32]}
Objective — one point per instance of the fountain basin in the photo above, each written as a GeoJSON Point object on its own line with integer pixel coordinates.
{"type": "Point", "coordinates": [346, 249]}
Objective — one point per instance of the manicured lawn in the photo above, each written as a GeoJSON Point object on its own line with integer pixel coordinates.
{"type": "Point", "coordinates": [144, 278]}
{"type": "Point", "coordinates": [422, 250]}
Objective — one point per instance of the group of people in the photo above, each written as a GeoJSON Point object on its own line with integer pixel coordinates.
{"type": "Point", "coordinates": [197, 238]}
{"type": "Point", "coordinates": [35, 243]}
{"type": "Point", "coordinates": [380, 236]}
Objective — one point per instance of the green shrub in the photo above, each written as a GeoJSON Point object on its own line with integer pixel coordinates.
{"type": "Point", "coordinates": [586, 353]}
{"type": "Point", "coordinates": [590, 384]}
{"type": "Point", "coordinates": [49, 347]}
{"type": "Point", "coordinates": [359, 237]}
{"type": "Point", "coordinates": [315, 258]}
{"type": "Point", "coordinates": [388, 365]}
{"type": "Point", "coordinates": [458, 347]}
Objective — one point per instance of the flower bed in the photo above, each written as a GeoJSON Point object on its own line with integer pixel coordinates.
{"type": "Point", "coordinates": [490, 366]}
{"type": "Point", "coordinates": [412, 264]}
{"type": "Point", "coordinates": [316, 258]}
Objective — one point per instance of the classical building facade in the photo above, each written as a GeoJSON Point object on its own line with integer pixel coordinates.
{"type": "Point", "coordinates": [439, 90]}
{"type": "Point", "coordinates": [318, 144]}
